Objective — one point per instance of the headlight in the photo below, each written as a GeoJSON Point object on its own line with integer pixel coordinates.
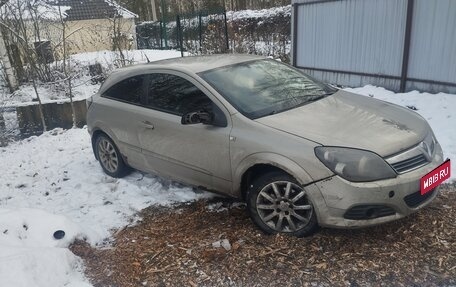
{"type": "Point", "coordinates": [428, 144]}
{"type": "Point", "coordinates": [354, 164]}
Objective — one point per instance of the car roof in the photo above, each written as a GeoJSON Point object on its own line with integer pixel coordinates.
{"type": "Point", "coordinates": [198, 64]}
{"type": "Point", "coordinates": [193, 64]}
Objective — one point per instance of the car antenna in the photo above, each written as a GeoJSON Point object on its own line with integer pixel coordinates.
{"type": "Point", "coordinates": [147, 58]}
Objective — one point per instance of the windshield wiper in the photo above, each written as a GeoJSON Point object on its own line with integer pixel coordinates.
{"type": "Point", "coordinates": [317, 97]}
{"type": "Point", "coordinates": [307, 98]}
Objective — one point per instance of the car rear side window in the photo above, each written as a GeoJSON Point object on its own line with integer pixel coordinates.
{"type": "Point", "coordinates": [128, 90]}
{"type": "Point", "coordinates": [175, 95]}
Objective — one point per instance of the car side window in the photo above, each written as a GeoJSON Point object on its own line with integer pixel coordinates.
{"type": "Point", "coordinates": [175, 95]}
{"type": "Point", "coordinates": [128, 90]}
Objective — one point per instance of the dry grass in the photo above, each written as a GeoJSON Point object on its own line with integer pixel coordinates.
{"type": "Point", "coordinates": [173, 247]}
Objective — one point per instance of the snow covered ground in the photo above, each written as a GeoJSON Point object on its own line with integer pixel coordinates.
{"type": "Point", "coordinates": [52, 182]}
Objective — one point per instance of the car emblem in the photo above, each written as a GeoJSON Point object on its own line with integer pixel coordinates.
{"type": "Point", "coordinates": [426, 149]}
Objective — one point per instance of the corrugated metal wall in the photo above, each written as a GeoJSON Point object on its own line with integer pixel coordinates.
{"type": "Point", "coordinates": [433, 43]}
{"type": "Point", "coordinates": [357, 42]}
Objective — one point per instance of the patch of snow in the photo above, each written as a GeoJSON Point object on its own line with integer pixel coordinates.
{"type": "Point", "coordinates": [53, 182]}
{"type": "Point", "coordinates": [40, 267]}
{"type": "Point", "coordinates": [437, 109]}
{"type": "Point", "coordinates": [49, 10]}
{"type": "Point", "coordinates": [125, 13]}
{"type": "Point", "coordinates": [30, 256]}
{"type": "Point", "coordinates": [25, 227]}
{"type": "Point", "coordinates": [37, 11]}
{"type": "Point", "coordinates": [231, 16]}
{"type": "Point", "coordinates": [106, 58]}
{"type": "Point", "coordinates": [264, 13]}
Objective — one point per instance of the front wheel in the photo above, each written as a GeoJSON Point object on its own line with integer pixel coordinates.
{"type": "Point", "coordinates": [110, 158]}
{"type": "Point", "coordinates": [278, 204]}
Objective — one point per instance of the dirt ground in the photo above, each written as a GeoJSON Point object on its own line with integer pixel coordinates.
{"type": "Point", "coordinates": [181, 247]}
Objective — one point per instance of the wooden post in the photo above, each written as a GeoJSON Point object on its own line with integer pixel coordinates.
{"type": "Point", "coordinates": [200, 30]}
{"type": "Point", "coordinates": [179, 35]}
{"type": "Point", "coordinates": [164, 22]}
{"type": "Point", "coordinates": [407, 39]}
{"type": "Point", "coordinates": [226, 31]}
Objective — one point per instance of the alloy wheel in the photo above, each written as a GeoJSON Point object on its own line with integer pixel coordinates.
{"type": "Point", "coordinates": [108, 155]}
{"type": "Point", "coordinates": [284, 206]}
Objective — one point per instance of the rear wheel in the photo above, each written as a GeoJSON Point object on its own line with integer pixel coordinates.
{"type": "Point", "coordinates": [110, 158]}
{"type": "Point", "coordinates": [278, 204]}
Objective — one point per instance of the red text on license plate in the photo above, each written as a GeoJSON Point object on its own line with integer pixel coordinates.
{"type": "Point", "coordinates": [435, 177]}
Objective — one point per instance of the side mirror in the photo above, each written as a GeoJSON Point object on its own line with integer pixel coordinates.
{"type": "Point", "coordinates": [200, 117]}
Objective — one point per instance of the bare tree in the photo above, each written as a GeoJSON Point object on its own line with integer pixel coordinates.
{"type": "Point", "coordinates": [66, 62]}
{"type": "Point", "coordinates": [5, 61]}
{"type": "Point", "coordinates": [16, 23]}
{"type": "Point", "coordinates": [8, 70]}
{"type": "Point", "coordinates": [116, 38]}
{"type": "Point", "coordinates": [154, 10]}
{"type": "Point", "coordinates": [120, 39]}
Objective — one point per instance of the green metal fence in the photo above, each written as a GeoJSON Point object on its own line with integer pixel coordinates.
{"type": "Point", "coordinates": [204, 32]}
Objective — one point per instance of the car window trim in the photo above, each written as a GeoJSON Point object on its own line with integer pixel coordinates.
{"type": "Point", "coordinates": [176, 73]}
{"type": "Point", "coordinates": [145, 96]}
{"type": "Point", "coordinates": [188, 77]}
{"type": "Point", "coordinates": [142, 99]}
{"type": "Point", "coordinates": [142, 106]}
{"type": "Point", "coordinates": [103, 95]}
{"type": "Point", "coordinates": [122, 101]}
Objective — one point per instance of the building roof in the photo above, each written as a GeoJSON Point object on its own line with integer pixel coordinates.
{"type": "Point", "coordinates": [92, 9]}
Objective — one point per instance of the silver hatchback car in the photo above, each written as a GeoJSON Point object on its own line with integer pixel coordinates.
{"type": "Point", "coordinates": [299, 152]}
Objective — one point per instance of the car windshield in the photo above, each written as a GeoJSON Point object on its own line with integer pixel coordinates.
{"type": "Point", "coordinates": [265, 87]}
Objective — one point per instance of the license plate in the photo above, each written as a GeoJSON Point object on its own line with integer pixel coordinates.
{"type": "Point", "coordinates": [435, 177]}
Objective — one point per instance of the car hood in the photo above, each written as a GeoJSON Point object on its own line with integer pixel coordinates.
{"type": "Point", "coordinates": [351, 120]}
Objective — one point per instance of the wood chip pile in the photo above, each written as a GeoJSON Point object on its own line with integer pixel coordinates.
{"type": "Point", "coordinates": [194, 245]}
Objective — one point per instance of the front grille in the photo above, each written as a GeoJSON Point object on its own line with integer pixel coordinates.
{"type": "Point", "coordinates": [410, 163]}
{"type": "Point", "coordinates": [415, 199]}
{"type": "Point", "coordinates": [370, 211]}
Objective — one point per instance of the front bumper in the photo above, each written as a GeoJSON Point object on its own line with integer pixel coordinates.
{"type": "Point", "coordinates": [337, 201]}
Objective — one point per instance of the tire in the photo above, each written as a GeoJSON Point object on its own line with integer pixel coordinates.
{"type": "Point", "coordinates": [277, 203]}
{"type": "Point", "coordinates": [110, 159]}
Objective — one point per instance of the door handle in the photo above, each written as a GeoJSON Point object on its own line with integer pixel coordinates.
{"type": "Point", "coordinates": [148, 125]}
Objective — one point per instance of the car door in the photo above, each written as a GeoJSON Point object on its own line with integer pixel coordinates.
{"type": "Point", "coordinates": [118, 111]}
{"type": "Point", "coordinates": [195, 154]}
